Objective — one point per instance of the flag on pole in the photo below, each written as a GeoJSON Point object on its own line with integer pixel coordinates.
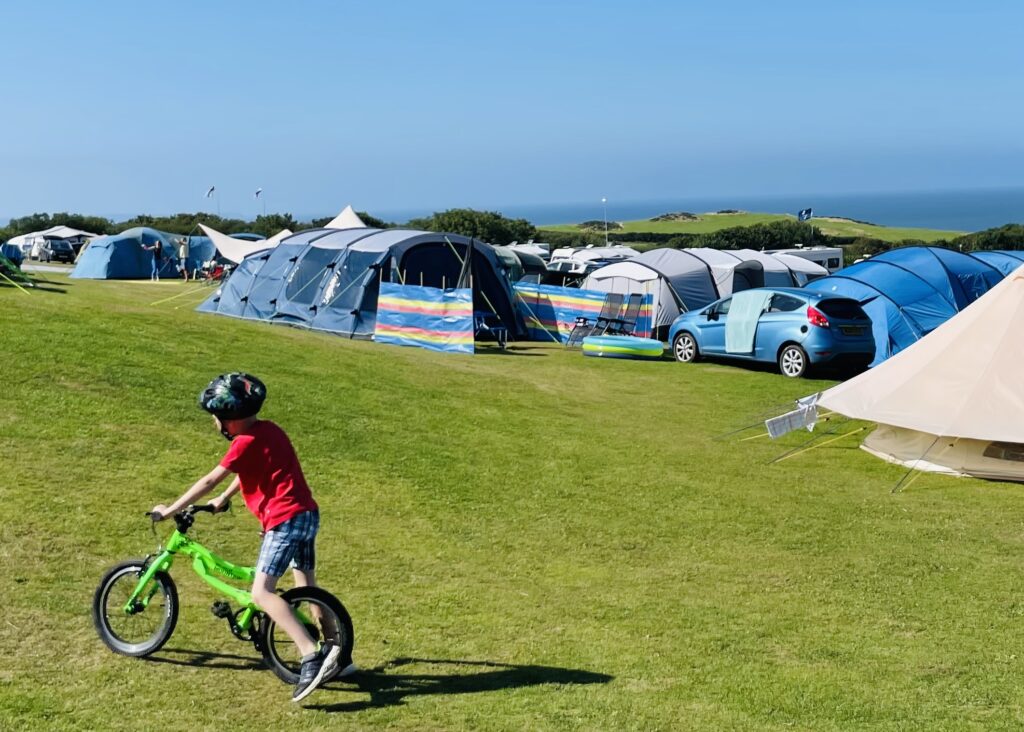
{"type": "Point", "coordinates": [257, 193]}
{"type": "Point", "coordinates": [805, 214]}
{"type": "Point", "coordinates": [210, 192]}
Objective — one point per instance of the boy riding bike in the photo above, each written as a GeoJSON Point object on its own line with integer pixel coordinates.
{"type": "Point", "coordinates": [268, 473]}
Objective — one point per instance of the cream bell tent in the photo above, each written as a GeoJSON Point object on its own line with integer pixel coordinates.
{"type": "Point", "coordinates": [347, 219]}
{"type": "Point", "coordinates": [953, 402]}
{"type": "Point", "coordinates": [238, 249]}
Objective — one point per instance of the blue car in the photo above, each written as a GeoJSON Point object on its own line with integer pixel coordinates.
{"type": "Point", "coordinates": [795, 329]}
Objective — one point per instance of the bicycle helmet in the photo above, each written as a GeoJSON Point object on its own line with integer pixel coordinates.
{"type": "Point", "coordinates": [233, 396]}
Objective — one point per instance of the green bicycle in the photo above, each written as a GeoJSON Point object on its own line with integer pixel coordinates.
{"type": "Point", "coordinates": [135, 607]}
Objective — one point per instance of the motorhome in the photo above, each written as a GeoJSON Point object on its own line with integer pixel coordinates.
{"type": "Point", "coordinates": [831, 258]}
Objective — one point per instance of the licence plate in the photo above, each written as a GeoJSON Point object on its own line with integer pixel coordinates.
{"type": "Point", "coordinates": [852, 330]}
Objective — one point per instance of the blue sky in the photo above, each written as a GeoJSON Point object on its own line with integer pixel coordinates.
{"type": "Point", "coordinates": [119, 108]}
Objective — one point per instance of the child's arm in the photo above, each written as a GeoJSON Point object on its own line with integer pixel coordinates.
{"type": "Point", "coordinates": [220, 503]}
{"type": "Point", "coordinates": [203, 486]}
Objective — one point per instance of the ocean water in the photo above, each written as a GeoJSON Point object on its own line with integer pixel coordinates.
{"type": "Point", "coordinates": [970, 210]}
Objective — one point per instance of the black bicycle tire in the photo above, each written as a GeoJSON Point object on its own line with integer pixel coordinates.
{"type": "Point", "coordinates": [99, 621]}
{"type": "Point", "coordinates": [319, 594]}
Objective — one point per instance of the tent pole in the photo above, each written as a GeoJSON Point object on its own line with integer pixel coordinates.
{"type": "Point", "coordinates": [805, 443]}
{"type": "Point", "coordinates": [899, 486]}
{"type": "Point", "coordinates": [534, 318]}
{"type": "Point", "coordinates": [826, 442]}
{"type": "Point", "coordinates": [822, 417]}
{"type": "Point", "coordinates": [13, 283]}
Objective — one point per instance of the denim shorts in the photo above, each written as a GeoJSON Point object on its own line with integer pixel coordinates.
{"type": "Point", "coordinates": [291, 543]}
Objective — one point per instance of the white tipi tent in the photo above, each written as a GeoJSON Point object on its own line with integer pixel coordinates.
{"type": "Point", "coordinates": [238, 249]}
{"type": "Point", "coordinates": [347, 219]}
{"type": "Point", "coordinates": [952, 402]}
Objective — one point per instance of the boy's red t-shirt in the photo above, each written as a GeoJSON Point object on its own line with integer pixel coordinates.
{"type": "Point", "coordinates": [271, 478]}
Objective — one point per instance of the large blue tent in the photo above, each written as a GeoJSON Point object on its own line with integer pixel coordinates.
{"type": "Point", "coordinates": [911, 291]}
{"type": "Point", "coordinates": [1004, 261]}
{"type": "Point", "coordinates": [328, 279]}
{"type": "Point", "coordinates": [122, 256]}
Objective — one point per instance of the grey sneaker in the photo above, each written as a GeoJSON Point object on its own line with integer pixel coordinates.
{"type": "Point", "coordinates": [316, 668]}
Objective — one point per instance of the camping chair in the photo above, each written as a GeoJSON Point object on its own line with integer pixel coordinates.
{"type": "Point", "coordinates": [609, 313]}
{"type": "Point", "coordinates": [215, 272]}
{"type": "Point", "coordinates": [630, 314]}
{"type": "Point", "coordinates": [483, 323]}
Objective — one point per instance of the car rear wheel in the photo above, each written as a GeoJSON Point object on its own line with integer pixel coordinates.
{"type": "Point", "coordinates": [684, 348]}
{"type": "Point", "coordinates": [793, 361]}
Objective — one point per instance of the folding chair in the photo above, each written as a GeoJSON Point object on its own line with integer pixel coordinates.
{"type": "Point", "coordinates": [609, 313]}
{"type": "Point", "coordinates": [630, 314]}
{"type": "Point", "coordinates": [484, 324]}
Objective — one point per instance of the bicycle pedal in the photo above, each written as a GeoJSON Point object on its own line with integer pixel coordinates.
{"type": "Point", "coordinates": [221, 609]}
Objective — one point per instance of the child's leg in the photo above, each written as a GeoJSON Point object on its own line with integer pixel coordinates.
{"type": "Point", "coordinates": [281, 613]}
{"type": "Point", "coordinates": [304, 577]}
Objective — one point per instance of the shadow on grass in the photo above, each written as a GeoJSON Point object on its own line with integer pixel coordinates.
{"type": "Point", "coordinates": [494, 350]}
{"type": "Point", "coordinates": [388, 688]}
{"type": "Point", "coordinates": [206, 659]}
{"type": "Point", "coordinates": [814, 373]}
{"type": "Point", "coordinates": [38, 286]}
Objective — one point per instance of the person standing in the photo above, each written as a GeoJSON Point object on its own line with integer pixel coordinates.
{"type": "Point", "coordinates": [157, 248]}
{"type": "Point", "coordinates": [183, 257]}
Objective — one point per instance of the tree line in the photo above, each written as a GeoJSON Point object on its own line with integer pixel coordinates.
{"type": "Point", "coordinates": [493, 227]}
{"type": "Point", "coordinates": [488, 226]}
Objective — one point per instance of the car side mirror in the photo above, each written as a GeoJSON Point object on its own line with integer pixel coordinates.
{"type": "Point", "coordinates": [712, 315]}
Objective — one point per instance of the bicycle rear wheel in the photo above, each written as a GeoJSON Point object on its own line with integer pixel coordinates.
{"type": "Point", "coordinates": [143, 629]}
{"type": "Point", "coordinates": [326, 621]}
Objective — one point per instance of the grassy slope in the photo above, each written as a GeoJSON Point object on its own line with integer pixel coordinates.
{"type": "Point", "coordinates": [575, 519]}
{"type": "Point", "coordinates": [714, 222]}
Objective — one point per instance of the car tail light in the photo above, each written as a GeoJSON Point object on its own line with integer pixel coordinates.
{"type": "Point", "coordinates": [816, 317]}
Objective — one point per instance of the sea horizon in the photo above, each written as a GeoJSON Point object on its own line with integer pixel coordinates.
{"type": "Point", "coordinates": [947, 210]}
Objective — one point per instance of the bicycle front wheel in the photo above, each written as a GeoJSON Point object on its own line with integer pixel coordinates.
{"type": "Point", "coordinates": [143, 628]}
{"type": "Point", "coordinates": [326, 620]}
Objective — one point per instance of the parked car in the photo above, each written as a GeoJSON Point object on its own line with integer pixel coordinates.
{"type": "Point", "coordinates": [796, 330]}
{"type": "Point", "coordinates": [57, 250]}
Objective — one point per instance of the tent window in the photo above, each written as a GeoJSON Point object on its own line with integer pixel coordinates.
{"type": "Point", "coordinates": [303, 283]}
{"type": "Point", "coordinates": [1005, 451]}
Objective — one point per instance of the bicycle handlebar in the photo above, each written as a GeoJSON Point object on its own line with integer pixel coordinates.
{"type": "Point", "coordinates": [187, 513]}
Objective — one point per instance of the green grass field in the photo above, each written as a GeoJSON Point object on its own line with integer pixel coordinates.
{"type": "Point", "coordinates": [715, 222]}
{"type": "Point", "coordinates": [526, 540]}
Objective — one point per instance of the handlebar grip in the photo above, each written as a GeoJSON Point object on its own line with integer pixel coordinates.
{"type": "Point", "coordinates": [205, 507]}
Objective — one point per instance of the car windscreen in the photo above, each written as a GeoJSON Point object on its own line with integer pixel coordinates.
{"type": "Point", "coordinates": [842, 308]}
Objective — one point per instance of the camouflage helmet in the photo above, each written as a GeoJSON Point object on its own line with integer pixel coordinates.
{"type": "Point", "coordinates": [233, 396]}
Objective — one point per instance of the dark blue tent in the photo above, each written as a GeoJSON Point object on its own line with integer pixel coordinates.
{"type": "Point", "coordinates": [911, 291]}
{"type": "Point", "coordinates": [13, 253]}
{"type": "Point", "coordinates": [328, 279]}
{"type": "Point", "coordinates": [1004, 261]}
{"type": "Point", "coordinates": [122, 257]}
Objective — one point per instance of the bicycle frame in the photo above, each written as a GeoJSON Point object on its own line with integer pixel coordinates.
{"type": "Point", "coordinates": [210, 569]}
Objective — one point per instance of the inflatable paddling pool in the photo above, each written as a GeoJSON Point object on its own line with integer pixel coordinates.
{"type": "Point", "coordinates": [622, 347]}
